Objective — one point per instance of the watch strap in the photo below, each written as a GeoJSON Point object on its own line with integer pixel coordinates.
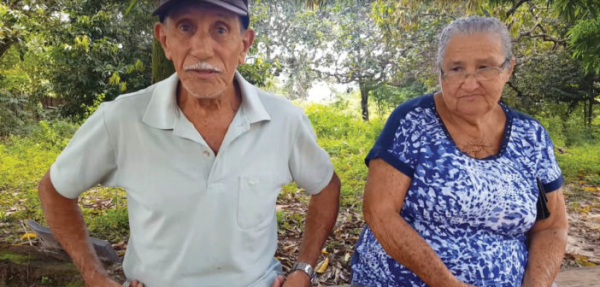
{"type": "Point", "coordinates": [306, 268]}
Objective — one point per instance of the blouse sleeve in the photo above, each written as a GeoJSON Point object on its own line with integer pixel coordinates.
{"type": "Point", "coordinates": [396, 144]}
{"type": "Point", "coordinates": [547, 169]}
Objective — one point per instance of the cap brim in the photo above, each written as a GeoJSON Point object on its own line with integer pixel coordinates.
{"type": "Point", "coordinates": [234, 9]}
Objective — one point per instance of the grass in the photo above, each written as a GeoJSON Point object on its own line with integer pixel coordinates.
{"type": "Point", "coordinates": [23, 162]}
{"type": "Point", "coordinates": [581, 162]}
{"type": "Point", "coordinates": [15, 258]}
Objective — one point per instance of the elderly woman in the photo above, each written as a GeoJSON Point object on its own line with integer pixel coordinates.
{"type": "Point", "coordinates": [452, 191]}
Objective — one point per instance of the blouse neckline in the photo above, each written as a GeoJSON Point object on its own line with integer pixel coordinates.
{"type": "Point", "coordinates": [505, 135]}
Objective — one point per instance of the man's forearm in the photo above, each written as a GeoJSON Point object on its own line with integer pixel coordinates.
{"type": "Point", "coordinates": [66, 222]}
{"type": "Point", "coordinates": [320, 219]}
{"type": "Point", "coordinates": [546, 252]}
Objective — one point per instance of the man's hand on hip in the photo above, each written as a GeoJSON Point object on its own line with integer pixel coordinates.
{"type": "Point", "coordinates": [136, 283]}
{"type": "Point", "coordinates": [278, 281]}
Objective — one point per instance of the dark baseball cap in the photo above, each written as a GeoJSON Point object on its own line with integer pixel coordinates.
{"type": "Point", "coordinates": [239, 7]}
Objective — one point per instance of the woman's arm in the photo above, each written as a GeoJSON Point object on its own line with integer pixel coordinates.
{"type": "Point", "coordinates": [548, 240]}
{"type": "Point", "coordinates": [384, 197]}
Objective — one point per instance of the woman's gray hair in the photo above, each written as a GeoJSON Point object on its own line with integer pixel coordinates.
{"type": "Point", "coordinates": [472, 25]}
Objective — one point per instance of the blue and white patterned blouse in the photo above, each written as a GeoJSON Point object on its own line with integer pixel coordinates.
{"type": "Point", "coordinates": [473, 212]}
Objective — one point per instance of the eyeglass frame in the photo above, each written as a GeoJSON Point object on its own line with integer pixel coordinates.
{"type": "Point", "coordinates": [466, 75]}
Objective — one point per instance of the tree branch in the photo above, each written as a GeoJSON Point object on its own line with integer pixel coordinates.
{"type": "Point", "coordinates": [6, 45]}
{"type": "Point", "coordinates": [514, 8]}
{"type": "Point", "coordinates": [520, 94]}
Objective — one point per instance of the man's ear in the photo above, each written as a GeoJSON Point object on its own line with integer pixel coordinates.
{"type": "Point", "coordinates": [160, 32]}
{"type": "Point", "coordinates": [247, 41]}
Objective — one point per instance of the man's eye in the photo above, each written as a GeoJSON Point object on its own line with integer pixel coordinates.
{"type": "Point", "coordinates": [185, 28]}
{"type": "Point", "coordinates": [456, 69]}
{"type": "Point", "coordinates": [483, 67]}
{"type": "Point", "coordinates": [222, 30]}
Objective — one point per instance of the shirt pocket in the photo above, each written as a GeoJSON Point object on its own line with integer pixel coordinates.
{"type": "Point", "coordinates": [257, 197]}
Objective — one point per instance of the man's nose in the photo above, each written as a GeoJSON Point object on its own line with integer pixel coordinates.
{"type": "Point", "coordinates": [201, 44]}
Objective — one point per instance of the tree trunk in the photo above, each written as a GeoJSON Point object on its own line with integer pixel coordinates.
{"type": "Point", "coordinates": [590, 114]}
{"type": "Point", "coordinates": [162, 67]}
{"type": "Point", "coordinates": [364, 100]}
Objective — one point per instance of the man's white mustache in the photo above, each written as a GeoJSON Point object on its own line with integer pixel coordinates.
{"type": "Point", "coordinates": [204, 66]}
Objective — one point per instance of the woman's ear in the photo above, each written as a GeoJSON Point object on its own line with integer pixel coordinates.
{"type": "Point", "coordinates": [511, 69]}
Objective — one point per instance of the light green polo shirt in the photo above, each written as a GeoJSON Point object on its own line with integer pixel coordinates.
{"type": "Point", "coordinates": [196, 219]}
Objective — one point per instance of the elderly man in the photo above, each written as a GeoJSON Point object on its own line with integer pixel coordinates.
{"type": "Point", "coordinates": [202, 156]}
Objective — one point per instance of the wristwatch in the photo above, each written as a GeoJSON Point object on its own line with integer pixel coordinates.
{"type": "Point", "coordinates": [306, 268]}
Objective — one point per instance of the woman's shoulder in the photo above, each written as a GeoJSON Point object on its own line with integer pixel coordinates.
{"type": "Point", "coordinates": [526, 123]}
{"type": "Point", "coordinates": [413, 109]}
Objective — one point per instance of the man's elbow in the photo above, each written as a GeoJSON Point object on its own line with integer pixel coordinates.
{"type": "Point", "coordinates": [43, 185]}
{"type": "Point", "coordinates": [48, 194]}
{"type": "Point", "coordinates": [335, 184]}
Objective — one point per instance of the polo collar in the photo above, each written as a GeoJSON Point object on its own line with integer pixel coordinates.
{"type": "Point", "coordinates": [252, 106]}
{"type": "Point", "coordinates": [162, 111]}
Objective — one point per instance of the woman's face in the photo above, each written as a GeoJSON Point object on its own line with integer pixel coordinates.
{"type": "Point", "coordinates": [480, 54]}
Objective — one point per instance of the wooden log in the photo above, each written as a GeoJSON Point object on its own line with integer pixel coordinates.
{"type": "Point", "coordinates": [103, 248]}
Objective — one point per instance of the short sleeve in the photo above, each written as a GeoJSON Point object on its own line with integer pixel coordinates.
{"type": "Point", "coordinates": [88, 160]}
{"type": "Point", "coordinates": [309, 164]}
{"type": "Point", "coordinates": [396, 141]}
{"type": "Point", "coordinates": [547, 169]}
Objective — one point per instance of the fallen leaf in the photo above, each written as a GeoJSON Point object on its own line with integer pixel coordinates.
{"type": "Point", "coordinates": [583, 261]}
{"type": "Point", "coordinates": [324, 251]}
{"type": "Point", "coordinates": [321, 267]}
{"type": "Point", "coordinates": [29, 235]}
{"type": "Point", "coordinates": [584, 210]}
{"type": "Point", "coordinates": [347, 258]}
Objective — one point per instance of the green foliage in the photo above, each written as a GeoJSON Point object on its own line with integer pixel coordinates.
{"type": "Point", "coordinates": [112, 225]}
{"type": "Point", "coordinates": [593, 179]}
{"type": "Point", "coordinates": [258, 73]}
{"type": "Point", "coordinates": [23, 161]}
{"type": "Point", "coordinates": [46, 280]}
{"type": "Point", "coordinates": [15, 114]}
{"type": "Point", "coordinates": [72, 51]}
{"type": "Point", "coordinates": [386, 97]}
{"type": "Point", "coordinates": [585, 41]}
{"type": "Point", "coordinates": [580, 161]}
{"type": "Point", "coordinates": [347, 139]}
{"type": "Point", "coordinates": [101, 53]}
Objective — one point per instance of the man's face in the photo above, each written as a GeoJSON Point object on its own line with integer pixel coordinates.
{"type": "Point", "coordinates": [205, 44]}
